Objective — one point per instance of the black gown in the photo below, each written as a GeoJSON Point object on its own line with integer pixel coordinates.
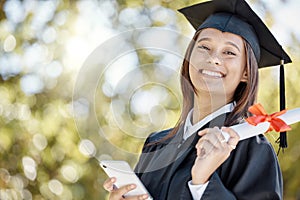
{"type": "Point", "coordinates": [251, 172]}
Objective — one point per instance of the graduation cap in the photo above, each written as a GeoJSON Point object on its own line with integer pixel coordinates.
{"type": "Point", "coordinates": [236, 16]}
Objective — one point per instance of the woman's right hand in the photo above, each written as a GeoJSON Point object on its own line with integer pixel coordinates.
{"type": "Point", "coordinates": [118, 193]}
{"type": "Point", "coordinates": [212, 151]}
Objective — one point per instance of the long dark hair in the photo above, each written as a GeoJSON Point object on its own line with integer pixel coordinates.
{"type": "Point", "coordinates": [244, 96]}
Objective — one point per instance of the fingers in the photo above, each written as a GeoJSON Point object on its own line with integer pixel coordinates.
{"type": "Point", "coordinates": [120, 192]}
{"type": "Point", "coordinates": [138, 197]}
{"type": "Point", "coordinates": [209, 133]}
{"type": "Point", "coordinates": [234, 137]}
{"type": "Point", "coordinates": [108, 184]}
{"type": "Point", "coordinates": [203, 132]}
{"type": "Point", "coordinates": [213, 135]}
{"type": "Point", "coordinates": [213, 140]}
{"type": "Point", "coordinates": [123, 190]}
{"type": "Point", "coordinates": [203, 147]}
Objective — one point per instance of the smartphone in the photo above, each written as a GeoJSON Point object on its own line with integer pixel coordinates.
{"type": "Point", "coordinates": [124, 175]}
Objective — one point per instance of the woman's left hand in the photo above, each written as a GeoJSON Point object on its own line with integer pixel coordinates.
{"type": "Point", "coordinates": [212, 151]}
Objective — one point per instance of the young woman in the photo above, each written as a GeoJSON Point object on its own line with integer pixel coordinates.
{"type": "Point", "coordinates": [219, 83]}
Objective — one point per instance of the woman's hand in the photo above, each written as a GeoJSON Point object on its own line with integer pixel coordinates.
{"type": "Point", "coordinates": [118, 193]}
{"type": "Point", "coordinates": [212, 151]}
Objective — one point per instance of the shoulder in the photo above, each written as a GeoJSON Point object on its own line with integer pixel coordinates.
{"type": "Point", "coordinates": [259, 140]}
{"type": "Point", "coordinates": [157, 136]}
{"type": "Point", "coordinates": [154, 140]}
{"type": "Point", "coordinates": [258, 145]}
{"type": "Point", "coordinates": [251, 153]}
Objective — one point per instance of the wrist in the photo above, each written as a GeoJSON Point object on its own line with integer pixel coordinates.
{"type": "Point", "coordinates": [199, 181]}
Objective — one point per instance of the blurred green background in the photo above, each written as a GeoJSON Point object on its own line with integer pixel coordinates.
{"type": "Point", "coordinates": [51, 137]}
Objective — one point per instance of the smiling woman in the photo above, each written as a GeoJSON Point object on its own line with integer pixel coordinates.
{"type": "Point", "coordinates": [219, 81]}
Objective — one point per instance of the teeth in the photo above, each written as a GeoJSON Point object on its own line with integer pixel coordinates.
{"type": "Point", "coordinates": [211, 73]}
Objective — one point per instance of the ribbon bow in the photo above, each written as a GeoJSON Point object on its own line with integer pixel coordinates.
{"type": "Point", "coordinates": [260, 115]}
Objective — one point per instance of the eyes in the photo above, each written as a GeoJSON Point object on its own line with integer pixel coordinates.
{"type": "Point", "coordinates": [203, 47]}
{"type": "Point", "coordinates": [226, 51]}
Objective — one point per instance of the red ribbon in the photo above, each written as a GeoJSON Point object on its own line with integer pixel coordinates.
{"type": "Point", "coordinates": [260, 115]}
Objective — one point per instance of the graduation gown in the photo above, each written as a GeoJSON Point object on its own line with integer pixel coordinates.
{"type": "Point", "coordinates": [251, 171]}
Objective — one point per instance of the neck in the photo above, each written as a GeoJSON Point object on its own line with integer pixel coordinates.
{"type": "Point", "coordinates": [207, 104]}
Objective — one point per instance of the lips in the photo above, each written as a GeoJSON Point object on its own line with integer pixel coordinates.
{"type": "Point", "coordinates": [214, 74]}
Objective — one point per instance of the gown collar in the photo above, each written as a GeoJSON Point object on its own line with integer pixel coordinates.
{"type": "Point", "coordinates": [189, 128]}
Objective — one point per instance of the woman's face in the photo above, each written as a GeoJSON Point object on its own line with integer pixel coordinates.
{"type": "Point", "coordinates": [217, 63]}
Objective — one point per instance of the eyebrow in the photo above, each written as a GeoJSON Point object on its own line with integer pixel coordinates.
{"type": "Point", "coordinates": [203, 39]}
{"type": "Point", "coordinates": [230, 43]}
{"type": "Point", "coordinates": [233, 44]}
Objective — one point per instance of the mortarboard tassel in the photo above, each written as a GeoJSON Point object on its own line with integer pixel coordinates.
{"type": "Point", "coordinates": [282, 138]}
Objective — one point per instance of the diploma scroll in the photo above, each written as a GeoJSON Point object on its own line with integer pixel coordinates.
{"type": "Point", "coordinates": [246, 130]}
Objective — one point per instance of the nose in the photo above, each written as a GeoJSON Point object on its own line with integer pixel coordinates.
{"type": "Point", "coordinates": [213, 58]}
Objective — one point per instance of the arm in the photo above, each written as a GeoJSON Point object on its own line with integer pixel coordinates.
{"type": "Point", "coordinates": [212, 151]}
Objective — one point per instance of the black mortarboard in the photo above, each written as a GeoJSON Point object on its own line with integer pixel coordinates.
{"type": "Point", "coordinates": [236, 16]}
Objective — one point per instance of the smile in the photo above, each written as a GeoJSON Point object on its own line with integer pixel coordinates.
{"type": "Point", "coordinates": [213, 74]}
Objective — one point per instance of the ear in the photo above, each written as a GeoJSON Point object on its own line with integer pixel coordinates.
{"type": "Point", "coordinates": [244, 77]}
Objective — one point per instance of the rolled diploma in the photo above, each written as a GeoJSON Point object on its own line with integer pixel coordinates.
{"type": "Point", "coordinates": [246, 130]}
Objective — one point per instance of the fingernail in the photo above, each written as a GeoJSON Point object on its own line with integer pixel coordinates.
{"type": "Point", "coordinates": [145, 196]}
{"type": "Point", "coordinates": [132, 186]}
